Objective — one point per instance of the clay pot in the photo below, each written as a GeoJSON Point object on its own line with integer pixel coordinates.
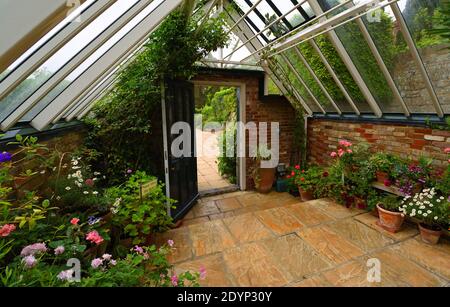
{"type": "Point", "coordinates": [266, 179]}
{"type": "Point", "coordinates": [428, 235]}
{"type": "Point", "coordinates": [382, 176]}
{"type": "Point", "coordinates": [391, 221]}
{"type": "Point", "coordinates": [306, 195]}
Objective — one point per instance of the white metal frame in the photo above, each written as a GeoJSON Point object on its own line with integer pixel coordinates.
{"type": "Point", "coordinates": [73, 63]}
{"type": "Point", "coordinates": [35, 60]}
{"type": "Point", "coordinates": [86, 79]}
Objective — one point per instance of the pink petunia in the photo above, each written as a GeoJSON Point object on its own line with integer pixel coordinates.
{"type": "Point", "coordinates": [5, 230]}
{"type": "Point", "coordinates": [349, 151]}
{"type": "Point", "coordinates": [174, 280]}
{"type": "Point", "coordinates": [345, 143]}
{"type": "Point", "coordinates": [138, 249]}
{"type": "Point", "coordinates": [96, 263]}
{"type": "Point", "coordinates": [202, 273]}
{"type": "Point", "coordinates": [94, 237]}
{"type": "Point", "coordinates": [31, 250]}
{"type": "Point", "coordinates": [59, 250]}
{"type": "Point", "coordinates": [29, 261]}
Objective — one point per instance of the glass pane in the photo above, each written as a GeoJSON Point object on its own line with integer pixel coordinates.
{"type": "Point", "coordinates": [308, 79]}
{"type": "Point", "coordinates": [90, 61]}
{"type": "Point", "coordinates": [343, 74]}
{"type": "Point", "coordinates": [295, 83]}
{"type": "Point", "coordinates": [294, 18]}
{"type": "Point", "coordinates": [423, 17]}
{"type": "Point", "coordinates": [46, 38]}
{"type": "Point", "coordinates": [324, 76]}
{"type": "Point", "coordinates": [62, 56]}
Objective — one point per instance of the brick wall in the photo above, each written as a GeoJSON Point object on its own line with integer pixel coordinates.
{"type": "Point", "coordinates": [276, 109]}
{"type": "Point", "coordinates": [404, 140]}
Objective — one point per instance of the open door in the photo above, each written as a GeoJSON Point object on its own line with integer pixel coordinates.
{"type": "Point", "coordinates": [178, 105]}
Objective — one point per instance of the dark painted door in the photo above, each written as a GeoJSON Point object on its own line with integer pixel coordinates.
{"type": "Point", "coordinates": [182, 170]}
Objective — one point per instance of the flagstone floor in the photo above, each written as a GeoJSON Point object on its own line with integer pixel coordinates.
{"type": "Point", "coordinates": [250, 239]}
{"type": "Point", "coordinates": [207, 170]}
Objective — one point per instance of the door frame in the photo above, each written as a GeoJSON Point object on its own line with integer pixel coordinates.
{"type": "Point", "coordinates": [240, 137]}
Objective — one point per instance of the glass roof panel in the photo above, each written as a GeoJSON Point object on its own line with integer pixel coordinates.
{"type": "Point", "coordinates": [62, 56]}
{"type": "Point", "coordinates": [422, 17]}
{"type": "Point", "coordinates": [91, 60]}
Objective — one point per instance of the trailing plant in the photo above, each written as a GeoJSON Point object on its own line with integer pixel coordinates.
{"type": "Point", "coordinates": [121, 124]}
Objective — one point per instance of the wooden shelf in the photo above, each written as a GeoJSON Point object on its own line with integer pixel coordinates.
{"type": "Point", "coordinates": [392, 190]}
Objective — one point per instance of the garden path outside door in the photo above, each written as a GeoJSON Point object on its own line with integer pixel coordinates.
{"type": "Point", "coordinates": [178, 105]}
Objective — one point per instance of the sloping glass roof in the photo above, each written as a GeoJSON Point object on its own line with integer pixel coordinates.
{"type": "Point", "coordinates": [330, 57]}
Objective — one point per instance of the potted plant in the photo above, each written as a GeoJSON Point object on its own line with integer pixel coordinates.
{"type": "Point", "coordinates": [382, 163]}
{"type": "Point", "coordinates": [307, 180]}
{"type": "Point", "coordinates": [390, 217]}
{"type": "Point", "coordinates": [432, 212]}
{"type": "Point", "coordinates": [263, 176]}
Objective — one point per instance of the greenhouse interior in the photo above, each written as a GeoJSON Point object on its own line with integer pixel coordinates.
{"type": "Point", "coordinates": [225, 143]}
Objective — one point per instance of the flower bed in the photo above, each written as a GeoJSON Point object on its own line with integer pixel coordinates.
{"type": "Point", "coordinates": [62, 226]}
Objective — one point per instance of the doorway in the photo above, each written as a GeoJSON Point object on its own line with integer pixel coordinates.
{"type": "Point", "coordinates": [218, 108]}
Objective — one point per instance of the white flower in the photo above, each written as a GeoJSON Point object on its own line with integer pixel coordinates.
{"type": "Point", "coordinates": [438, 200]}
{"type": "Point", "coordinates": [54, 169]}
{"type": "Point", "coordinates": [78, 184]}
{"type": "Point", "coordinates": [97, 173]}
{"type": "Point", "coordinates": [429, 211]}
{"type": "Point", "coordinates": [43, 172]}
{"type": "Point", "coordinates": [441, 198]}
{"type": "Point", "coordinates": [95, 192]}
{"type": "Point", "coordinates": [422, 207]}
{"type": "Point", "coordinates": [74, 162]}
{"type": "Point", "coordinates": [420, 211]}
{"type": "Point", "coordinates": [80, 180]}
{"type": "Point", "coordinates": [435, 218]}
{"type": "Point", "coordinates": [85, 192]}
{"type": "Point", "coordinates": [431, 205]}
{"type": "Point", "coordinates": [58, 197]}
{"type": "Point", "coordinates": [68, 188]}
{"type": "Point", "coordinates": [424, 215]}
{"type": "Point", "coordinates": [69, 176]}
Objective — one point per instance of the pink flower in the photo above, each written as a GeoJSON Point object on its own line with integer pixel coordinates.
{"type": "Point", "coordinates": [74, 221]}
{"type": "Point", "coordinates": [174, 280]}
{"type": "Point", "coordinates": [5, 230]}
{"type": "Point", "coordinates": [349, 151]}
{"type": "Point", "coordinates": [94, 237]}
{"type": "Point", "coordinates": [340, 152]}
{"type": "Point", "coordinates": [29, 261]}
{"type": "Point", "coordinates": [138, 249]}
{"type": "Point", "coordinates": [96, 263]}
{"type": "Point", "coordinates": [297, 167]}
{"type": "Point", "coordinates": [333, 154]}
{"type": "Point", "coordinates": [113, 262]}
{"type": "Point", "coordinates": [170, 242]}
{"type": "Point", "coordinates": [89, 182]}
{"type": "Point", "coordinates": [33, 249]}
{"type": "Point", "coordinates": [447, 150]}
{"type": "Point", "coordinates": [59, 250]}
{"type": "Point", "coordinates": [65, 275]}
{"type": "Point", "coordinates": [345, 143]}
{"type": "Point", "coordinates": [106, 257]}
{"type": "Point", "coordinates": [202, 273]}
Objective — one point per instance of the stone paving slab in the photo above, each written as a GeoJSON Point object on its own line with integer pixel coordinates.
{"type": "Point", "coordinates": [251, 239]}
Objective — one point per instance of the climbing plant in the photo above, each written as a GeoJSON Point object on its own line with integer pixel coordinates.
{"type": "Point", "coordinates": [120, 127]}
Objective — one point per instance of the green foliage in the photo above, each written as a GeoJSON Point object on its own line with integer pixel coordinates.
{"type": "Point", "coordinates": [227, 162]}
{"type": "Point", "coordinates": [139, 217]}
{"type": "Point", "coordinates": [120, 127]}
{"type": "Point", "coordinates": [390, 203]}
{"type": "Point", "coordinates": [220, 106]}
{"type": "Point", "coordinates": [383, 162]}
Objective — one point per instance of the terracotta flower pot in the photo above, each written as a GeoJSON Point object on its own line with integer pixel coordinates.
{"type": "Point", "coordinates": [306, 195]}
{"type": "Point", "coordinates": [428, 235]}
{"type": "Point", "coordinates": [382, 176]}
{"type": "Point", "coordinates": [266, 179]}
{"type": "Point", "coordinates": [391, 221]}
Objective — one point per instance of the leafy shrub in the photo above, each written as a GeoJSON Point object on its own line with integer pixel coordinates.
{"type": "Point", "coordinates": [121, 124]}
{"type": "Point", "coordinates": [227, 165]}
